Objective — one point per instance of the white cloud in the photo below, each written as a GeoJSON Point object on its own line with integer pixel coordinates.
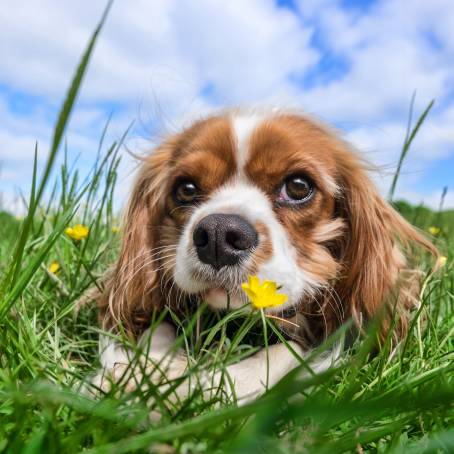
{"type": "Point", "coordinates": [155, 59]}
{"type": "Point", "coordinates": [176, 48]}
{"type": "Point", "coordinates": [390, 56]}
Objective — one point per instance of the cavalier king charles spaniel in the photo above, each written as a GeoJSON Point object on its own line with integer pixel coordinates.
{"type": "Point", "coordinates": [271, 194]}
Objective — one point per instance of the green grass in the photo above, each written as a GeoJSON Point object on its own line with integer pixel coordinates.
{"type": "Point", "coordinates": [400, 402]}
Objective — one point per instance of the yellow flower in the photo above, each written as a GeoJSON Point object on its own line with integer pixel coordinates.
{"type": "Point", "coordinates": [434, 230]}
{"type": "Point", "coordinates": [263, 294]}
{"type": "Point", "coordinates": [442, 261]}
{"type": "Point", "coordinates": [115, 229]}
{"type": "Point", "coordinates": [77, 232]}
{"type": "Point", "coordinates": [54, 267]}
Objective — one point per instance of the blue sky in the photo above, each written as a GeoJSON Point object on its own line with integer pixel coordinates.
{"type": "Point", "coordinates": [351, 63]}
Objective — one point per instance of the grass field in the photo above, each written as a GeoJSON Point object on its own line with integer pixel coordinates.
{"type": "Point", "coordinates": [400, 401]}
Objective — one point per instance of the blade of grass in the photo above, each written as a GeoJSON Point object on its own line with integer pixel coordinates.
{"type": "Point", "coordinates": [407, 143]}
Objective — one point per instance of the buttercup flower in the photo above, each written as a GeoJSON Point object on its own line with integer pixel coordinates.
{"type": "Point", "coordinates": [115, 229]}
{"type": "Point", "coordinates": [77, 232]}
{"type": "Point", "coordinates": [442, 260]}
{"type": "Point", "coordinates": [263, 294]}
{"type": "Point", "coordinates": [54, 267]}
{"type": "Point", "coordinates": [434, 230]}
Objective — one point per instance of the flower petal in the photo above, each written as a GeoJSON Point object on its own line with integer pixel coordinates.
{"type": "Point", "coordinates": [269, 286]}
{"type": "Point", "coordinates": [250, 293]}
{"type": "Point", "coordinates": [279, 299]}
{"type": "Point", "coordinates": [254, 283]}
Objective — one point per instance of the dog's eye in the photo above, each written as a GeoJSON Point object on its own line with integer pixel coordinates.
{"type": "Point", "coordinates": [185, 192]}
{"type": "Point", "coordinates": [296, 189]}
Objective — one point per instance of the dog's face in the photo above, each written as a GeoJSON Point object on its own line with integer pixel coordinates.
{"type": "Point", "coordinates": [276, 196]}
{"type": "Point", "coordinates": [251, 195]}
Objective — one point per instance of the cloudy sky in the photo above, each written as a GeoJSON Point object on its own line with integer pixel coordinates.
{"type": "Point", "coordinates": [161, 63]}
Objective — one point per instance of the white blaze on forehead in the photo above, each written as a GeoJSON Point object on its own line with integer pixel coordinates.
{"type": "Point", "coordinates": [243, 126]}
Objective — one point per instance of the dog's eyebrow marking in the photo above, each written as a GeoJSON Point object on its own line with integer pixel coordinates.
{"type": "Point", "coordinates": [243, 126]}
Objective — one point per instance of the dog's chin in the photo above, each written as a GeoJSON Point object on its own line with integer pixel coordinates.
{"type": "Point", "coordinates": [218, 298]}
{"type": "Point", "coordinates": [214, 294]}
{"type": "Point", "coordinates": [222, 293]}
{"type": "Point", "coordinates": [220, 290]}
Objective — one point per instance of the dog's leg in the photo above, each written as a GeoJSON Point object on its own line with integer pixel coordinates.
{"type": "Point", "coordinates": [251, 377]}
{"type": "Point", "coordinates": [243, 381]}
{"type": "Point", "coordinates": [120, 363]}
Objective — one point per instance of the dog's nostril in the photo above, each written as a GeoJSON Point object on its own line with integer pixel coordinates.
{"type": "Point", "coordinates": [200, 237]}
{"type": "Point", "coordinates": [238, 240]}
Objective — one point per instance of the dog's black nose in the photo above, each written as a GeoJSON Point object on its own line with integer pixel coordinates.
{"type": "Point", "coordinates": [224, 239]}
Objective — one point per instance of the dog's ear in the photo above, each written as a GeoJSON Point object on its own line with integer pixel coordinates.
{"type": "Point", "coordinates": [378, 275]}
{"type": "Point", "coordinates": [131, 289]}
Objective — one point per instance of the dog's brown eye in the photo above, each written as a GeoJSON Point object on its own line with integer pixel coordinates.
{"type": "Point", "coordinates": [296, 189]}
{"type": "Point", "coordinates": [185, 192]}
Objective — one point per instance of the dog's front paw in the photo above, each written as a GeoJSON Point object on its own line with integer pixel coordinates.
{"type": "Point", "coordinates": [139, 374]}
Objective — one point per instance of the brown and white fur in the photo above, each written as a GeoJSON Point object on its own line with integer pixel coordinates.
{"type": "Point", "coordinates": [344, 253]}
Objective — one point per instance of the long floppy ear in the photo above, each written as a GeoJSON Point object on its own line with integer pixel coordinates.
{"type": "Point", "coordinates": [131, 290]}
{"type": "Point", "coordinates": [378, 253]}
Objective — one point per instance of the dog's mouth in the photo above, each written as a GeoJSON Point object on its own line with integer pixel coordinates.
{"type": "Point", "coordinates": [220, 298]}
{"type": "Point", "coordinates": [219, 286]}
{"type": "Point", "coordinates": [221, 289]}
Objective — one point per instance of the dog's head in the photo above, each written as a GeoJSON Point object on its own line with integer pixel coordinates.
{"type": "Point", "coordinates": [277, 196]}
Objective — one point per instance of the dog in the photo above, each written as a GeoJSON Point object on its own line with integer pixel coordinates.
{"type": "Point", "coordinates": [266, 193]}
